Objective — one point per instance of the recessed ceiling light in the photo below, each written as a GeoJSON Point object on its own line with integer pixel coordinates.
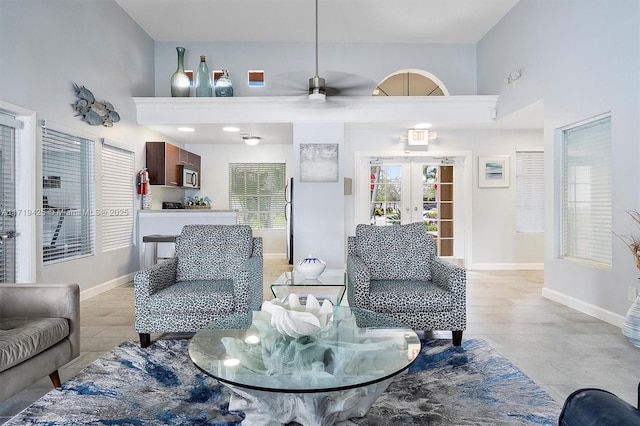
{"type": "Point", "coordinates": [186, 129]}
{"type": "Point", "coordinates": [423, 126]}
{"type": "Point", "coordinates": [231, 129]}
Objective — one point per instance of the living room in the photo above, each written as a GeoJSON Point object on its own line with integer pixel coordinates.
{"type": "Point", "coordinates": [578, 60]}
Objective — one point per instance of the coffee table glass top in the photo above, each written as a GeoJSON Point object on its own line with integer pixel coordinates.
{"type": "Point", "coordinates": [356, 348]}
{"type": "Point", "coordinates": [331, 284]}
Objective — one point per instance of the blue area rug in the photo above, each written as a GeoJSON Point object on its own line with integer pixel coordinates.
{"type": "Point", "coordinates": [468, 385]}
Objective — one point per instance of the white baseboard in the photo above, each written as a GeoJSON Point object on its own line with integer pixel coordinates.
{"type": "Point", "coordinates": [585, 308]}
{"type": "Point", "coordinates": [506, 267]}
{"type": "Point", "coordinates": [274, 255]}
{"type": "Point", "coordinates": [101, 288]}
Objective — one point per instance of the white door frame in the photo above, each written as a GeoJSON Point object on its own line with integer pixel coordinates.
{"type": "Point", "coordinates": [25, 186]}
{"type": "Point", "coordinates": [463, 176]}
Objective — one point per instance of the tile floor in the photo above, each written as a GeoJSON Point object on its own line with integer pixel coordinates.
{"type": "Point", "coordinates": [559, 348]}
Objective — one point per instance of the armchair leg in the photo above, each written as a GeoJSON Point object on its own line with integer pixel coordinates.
{"type": "Point", "coordinates": [145, 340]}
{"type": "Point", "coordinates": [55, 379]}
{"type": "Point", "coordinates": [457, 337]}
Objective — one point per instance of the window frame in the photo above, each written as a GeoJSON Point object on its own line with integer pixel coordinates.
{"type": "Point", "coordinates": [118, 209]}
{"type": "Point", "coordinates": [64, 205]}
{"type": "Point", "coordinates": [530, 191]}
{"type": "Point", "coordinates": [577, 184]}
{"type": "Point", "coordinates": [276, 209]}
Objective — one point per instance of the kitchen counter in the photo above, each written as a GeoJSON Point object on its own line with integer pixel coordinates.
{"type": "Point", "coordinates": [171, 221]}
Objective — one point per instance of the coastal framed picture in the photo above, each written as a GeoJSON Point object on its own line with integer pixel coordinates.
{"type": "Point", "coordinates": [493, 171]}
{"type": "Point", "coordinates": [319, 162]}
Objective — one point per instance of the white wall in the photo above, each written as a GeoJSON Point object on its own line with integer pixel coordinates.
{"type": "Point", "coordinates": [48, 46]}
{"type": "Point", "coordinates": [494, 242]}
{"type": "Point", "coordinates": [355, 67]}
{"type": "Point", "coordinates": [582, 58]}
{"type": "Point", "coordinates": [215, 179]}
{"type": "Point", "coordinates": [318, 207]}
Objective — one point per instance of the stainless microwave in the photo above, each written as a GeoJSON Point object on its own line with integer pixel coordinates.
{"type": "Point", "coordinates": [189, 177]}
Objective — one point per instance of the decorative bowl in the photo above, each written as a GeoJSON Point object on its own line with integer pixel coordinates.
{"type": "Point", "coordinates": [297, 320]}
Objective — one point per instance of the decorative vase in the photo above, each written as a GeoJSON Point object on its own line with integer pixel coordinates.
{"type": "Point", "coordinates": [224, 87]}
{"type": "Point", "coordinates": [204, 88]}
{"type": "Point", "coordinates": [631, 325]}
{"type": "Point", "coordinates": [311, 267]}
{"type": "Point", "coordinates": [180, 79]}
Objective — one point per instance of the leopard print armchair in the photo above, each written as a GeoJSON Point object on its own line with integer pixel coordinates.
{"type": "Point", "coordinates": [394, 270]}
{"type": "Point", "coordinates": [217, 271]}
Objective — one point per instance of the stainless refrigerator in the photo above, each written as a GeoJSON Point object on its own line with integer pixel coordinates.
{"type": "Point", "coordinates": [288, 214]}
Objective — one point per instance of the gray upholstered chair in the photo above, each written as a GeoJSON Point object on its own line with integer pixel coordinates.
{"type": "Point", "coordinates": [217, 271]}
{"type": "Point", "coordinates": [39, 333]}
{"type": "Point", "coordinates": [394, 270]}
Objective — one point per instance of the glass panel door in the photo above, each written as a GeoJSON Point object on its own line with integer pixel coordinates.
{"type": "Point", "coordinates": [385, 194]}
{"type": "Point", "coordinates": [430, 190]}
{"type": "Point", "coordinates": [7, 205]}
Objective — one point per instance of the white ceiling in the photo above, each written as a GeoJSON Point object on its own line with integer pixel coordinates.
{"type": "Point", "coordinates": [359, 21]}
{"type": "Point", "coordinates": [340, 21]}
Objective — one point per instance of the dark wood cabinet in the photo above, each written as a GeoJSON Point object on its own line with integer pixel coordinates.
{"type": "Point", "coordinates": [189, 159]}
{"type": "Point", "coordinates": [164, 161]}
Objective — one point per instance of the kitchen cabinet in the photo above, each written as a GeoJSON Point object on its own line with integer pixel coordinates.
{"type": "Point", "coordinates": [190, 159]}
{"type": "Point", "coordinates": [163, 161]}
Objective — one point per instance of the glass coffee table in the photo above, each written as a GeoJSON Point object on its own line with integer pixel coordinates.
{"type": "Point", "coordinates": [331, 285]}
{"type": "Point", "coordinates": [331, 376]}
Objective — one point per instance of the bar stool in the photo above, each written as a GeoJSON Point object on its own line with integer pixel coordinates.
{"type": "Point", "coordinates": [155, 240]}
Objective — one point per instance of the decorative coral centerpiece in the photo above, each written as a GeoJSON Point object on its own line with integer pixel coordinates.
{"type": "Point", "coordinates": [297, 320]}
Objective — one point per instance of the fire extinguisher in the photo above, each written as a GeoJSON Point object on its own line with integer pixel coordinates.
{"type": "Point", "coordinates": [143, 182]}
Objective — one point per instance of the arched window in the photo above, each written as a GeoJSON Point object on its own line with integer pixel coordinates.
{"type": "Point", "coordinates": [411, 82]}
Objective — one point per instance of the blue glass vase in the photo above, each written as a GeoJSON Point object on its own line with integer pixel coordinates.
{"type": "Point", "coordinates": [224, 87]}
{"type": "Point", "coordinates": [204, 88]}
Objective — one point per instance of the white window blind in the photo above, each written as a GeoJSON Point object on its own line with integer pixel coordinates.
{"type": "Point", "coordinates": [256, 190]}
{"type": "Point", "coordinates": [586, 191]}
{"type": "Point", "coordinates": [118, 197]}
{"type": "Point", "coordinates": [529, 191]}
{"type": "Point", "coordinates": [68, 228]}
{"type": "Point", "coordinates": [8, 259]}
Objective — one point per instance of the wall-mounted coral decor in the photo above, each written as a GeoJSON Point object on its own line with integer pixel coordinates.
{"type": "Point", "coordinates": [93, 112]}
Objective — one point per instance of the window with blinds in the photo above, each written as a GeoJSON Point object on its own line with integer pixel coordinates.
{"type": "Point", "coordinates": [256, 191]}
{"type": "Point", "coordinates": [8, 260]}
{"type": "Point", "coordinates": [586, 191]}
{"type": "Point", "coordinates": [529, 191]}
{"type": "Point", "coordinates": [68, 220]}
{"type": "Point", "coordinates": [118, 197]}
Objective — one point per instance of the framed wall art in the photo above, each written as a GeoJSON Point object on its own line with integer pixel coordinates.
{"type": "Point", "coordinates": [319, 162]}
{"type": "Point", "coordinates": [493, 172]}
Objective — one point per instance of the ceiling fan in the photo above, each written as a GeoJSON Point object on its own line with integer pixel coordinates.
{"type": "Point", "coordinates": [317, 89]}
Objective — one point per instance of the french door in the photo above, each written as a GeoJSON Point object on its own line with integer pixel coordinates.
{"type": "Point", "coordinates": [422, 190]}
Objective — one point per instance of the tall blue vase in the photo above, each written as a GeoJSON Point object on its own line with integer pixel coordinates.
{"type": "Point", "coordinates": [180, 79]}
{"type": "Point", "coordinates": [631, 325]}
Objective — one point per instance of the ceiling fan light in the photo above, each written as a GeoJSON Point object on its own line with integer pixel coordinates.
{"type": "Point", "coordinates": [251, 140]}
{"type": "Point", "coordinates": [317, 96]}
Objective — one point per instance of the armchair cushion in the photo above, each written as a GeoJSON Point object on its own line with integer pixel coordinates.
{"type": "Point", "coordinates": [207, 252]}
{"type": "Point", "coordinates": [392, 296]}
{"type": "Point", "coordinates": [401, 252]}
{"type": "Point", "coordinates": [199, 296]}
{"type": "Point", "coordinates": [22, 338]}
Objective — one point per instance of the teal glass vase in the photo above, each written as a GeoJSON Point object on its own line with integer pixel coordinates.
{"type": "Point", "coordinates": [204, 86]}
{"type": "Point", "coordinates": [180, 79]}
{"type": "Point", "coordinates": [224, 87]}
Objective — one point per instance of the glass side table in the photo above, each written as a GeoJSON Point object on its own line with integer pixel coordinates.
{"type": "Point", "coordinates": [331, 284]}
